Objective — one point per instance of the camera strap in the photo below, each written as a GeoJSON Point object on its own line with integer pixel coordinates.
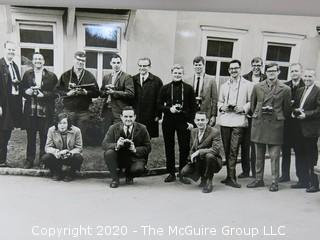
{"type": "Point", "coordinates": [182, 91]}
{"type": "Point", "coordinates": [238, 89]}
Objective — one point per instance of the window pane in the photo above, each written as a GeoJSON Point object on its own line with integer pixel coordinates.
{"type": "Point", "coordinates": [106, 60]}
{"type": "Point", "coordinates": [278, 53]}
{"type": "Point", "coordinates": [224, 69]}
{"type": "Point", "coordinates": [283, 73]}
{"type": "Point", "coordinates": [105, 36]}
{"type": "Point", "coordinates": [219, 48]}
{"type": "Point", "coordinates": [211, 68]}
{"type": "Point", "coordinates": [27, 53]}
{"type": "Point", "coordinates": [36, 36]}
{"type": "Point", "coordinates": [92, 60]}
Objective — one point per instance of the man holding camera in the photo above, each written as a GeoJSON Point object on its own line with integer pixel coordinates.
{"type": "Point", "coordinates": [307, 113]}
{"type": "Point", "coordinates": [78, 86]}
{"type": "Point", "coordinates": [118, 90]}
{"type": "Point", "coordinates": [38, 88]}
{"type": "Point", "coordinates": [205, 89]}
{"type": "Point", "coordinates": [270, 105]}
{"type": "Point", "coordinates": [233, 105]}
{"type": "Point", "coordinates": [126, 145]}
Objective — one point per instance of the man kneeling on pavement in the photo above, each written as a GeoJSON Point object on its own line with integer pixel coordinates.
{"type": "Point", "coordinates": [205, 159]}
{"type": "Point", "coordinates": [126, 145]}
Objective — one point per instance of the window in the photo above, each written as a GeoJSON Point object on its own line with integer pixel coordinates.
{"type": "Point", "coordinates": [36, 37]}
{"type": "Point", "coordinates": [283, 49]}
{"type": "Point", "coordinates": [219, 46]}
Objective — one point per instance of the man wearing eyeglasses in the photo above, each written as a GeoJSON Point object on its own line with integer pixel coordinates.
{"type": "Point", "coordinates": [147, 88]}
{"type": "Point", "coordinates": [270, 105]}
{"type": "Point", "coordinates": [233, 105]}
{"type": "Point", "coordinates": [78, 86]}
{"type": "Point", "coordinates": [248, 153]}
{"type": "Point", "coordinates": [118, 90]}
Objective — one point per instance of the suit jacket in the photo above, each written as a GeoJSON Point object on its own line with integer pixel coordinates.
{"type": "Point", "coordinates": [54, 141]}
{"type": "Point", "coordinates": [123, 95]}
{"type": "Point", "coordinates": [48, 88]}
{"type": "Point", "coordinates": [11, 105]}
{"type": "Point", "coordinates": [208, 94]}
{"type": "Point", "coordinates": [310, 126]}
{"type": "Point", "coordinates": [248, 76]}
{"type": "Point", "coordinates": [145, 103]}
{"type": "Point", "coordinates": [268, 129]}
{"type": "Point", "coordinates": [140, 138]}
{"type": "Point", "coordinates": [210, 142]}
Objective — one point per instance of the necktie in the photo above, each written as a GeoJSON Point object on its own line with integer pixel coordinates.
{"type": "Point", "coordinates": [198, 85]}
{"type": "Point", "coordinates": [302, 97]}
{"type": "Point", "coordinates": [13, 72]}
{"type": "Point", "coordinates": [142, 80]}
{"type": "Point", "coordinates": [127, 133]}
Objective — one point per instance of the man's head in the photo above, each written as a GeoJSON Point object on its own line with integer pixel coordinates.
{"type": "Point", "coordinates": [37, 60]}
{"type": "Point", "coordinates": [309, 76]}
{"type": "Point", "coordinates": [256, 65]}
{"type": "Point", "coordinates": [128, 116]}
{"type": "Point", "coordinates": [201, 120]}
{"type": "Point", "coordinates": [272, 71]}
{"type": "Point", "coordinates": [10, 50]}
{"type": "Point", "coordinates": [79, 60]}
{"type": "Point", "coordinates": [116, 62]}
{"type": "Point", "coordinates": [144, 65]}
{"type": "Point", "coordinates": [177, 72]}
{"type": "Point", "coordinates": [296, 71]}
{"type": "Point", "coordinates": [235, 68]}
{"type": "Point", "coordinates": [198, 65]}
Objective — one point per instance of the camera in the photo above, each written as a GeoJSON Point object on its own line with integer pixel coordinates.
{"type": "Point", "coordinates": [178, 107]}
{"type": "Point", "coordinates": [297, 112]}
{"type": "Point", "coordinates": [127, 143]}
{"type": "Point", "coordinates": [66, 155]}
{"type": "Point", "coordinates": [268, 110]}
{"type": "Point", "coordinates": [231, 108]}
{"type": "Point", "coordinates": [35, 90]}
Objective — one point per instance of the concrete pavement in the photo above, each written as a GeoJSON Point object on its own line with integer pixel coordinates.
{"type": "Point", "coordinates": [39, 208]}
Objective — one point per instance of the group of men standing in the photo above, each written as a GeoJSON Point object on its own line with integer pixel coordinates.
{"type": "Point", "coordinates": [255, 111]}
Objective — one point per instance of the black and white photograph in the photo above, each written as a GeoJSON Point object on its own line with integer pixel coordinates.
{"type": "Point", "coordinates": [159, 120]}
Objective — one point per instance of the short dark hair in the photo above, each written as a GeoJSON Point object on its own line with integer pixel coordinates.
{"type": "Point", "coordinates": [144, 59]}
{"type": "Point", "coordinates": [272, 64]}
{"type": "Point", "coordinates": [202, 113]}
{"type": "Point", "coordinates": [235, 61]}
{"type": "Point", "coordinates": [115, 56]}
{"type": "Point", "coordinates": [198, 59]}
{"type": "Point", "coordinates": [256, 60]}
{"type": "Point", "coordinates": [61, 116]}
{"type": "Point", "coordinates": [80, 54]}
{"type": "Point", "coordinates": [128, 108]}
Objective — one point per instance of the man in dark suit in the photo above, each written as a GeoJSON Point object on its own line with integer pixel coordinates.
{"type": "Point", "coordinates": [126, 145]}
{"type": "Point", "coordinates": [10, 99]}
{"type": "Point", "coordinates": [118, 90]}
{"type": "Point", "coordinates": [38, 88]}
{"type": "Point", "coordinates": [177, 102]}
{"type": "Point", "coordinates": [248, 153]}
{"type": "Point", "coordinates": [205, 159]}
{"type": "Point", "coordinates": [205, 89]}
{"type": "Point", "coordinates": [307, 112]}
{"type": "Point", "coordinates": [289, 124]}
{"type": "Point", "coordinates": [146, 90]}
{"type": "Point", "coordinates": [78, 86]}
{"type": "Point", "coordinates": [270, 105]}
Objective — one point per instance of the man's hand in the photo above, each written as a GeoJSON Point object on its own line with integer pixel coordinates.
{"type": "Point", "coordinates": [29, 91]}
{"type": "Point", "coordinates": [120, 143]}
{"type": "Point", "coordinates": [212, 121]}
{"type": "Point", "coordinates": [156, 119]}
{"type": "Point", "coordinates": [239, 109]}
{"type": "Point", "coordinates": [40, 94]}
{"type": "Point", "coordinates": [224, 108]}
{"type": "Point", "coordinates": [72, 92]}
{"type": "Point", "coordinates": [132, 147]}
{"type": "Point", "coordinates": [194, 155]}
{"type": "Point", "coordinates": [302, 116]}
{"type": "Point", "coordinates": [0, 111]}
{"type": "Point", "coordinates": [190, 126]}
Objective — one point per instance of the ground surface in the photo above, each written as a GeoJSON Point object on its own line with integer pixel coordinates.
{"type": "Point", "coordinates": [29, 206]}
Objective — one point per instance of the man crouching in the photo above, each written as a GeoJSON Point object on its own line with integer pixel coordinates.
{"type": "Point", "coordinates": [205, 159]}
{"type": "Point", "coordinates": [126, 145]}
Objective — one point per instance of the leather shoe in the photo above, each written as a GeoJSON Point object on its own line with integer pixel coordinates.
{"type": "Point", "coordinates": [225, 180]}
{"type": "Point", "coordinates": [28, 165]}
{"type": "Point", "coordinates": [203, 182]}
{"type": "Point", "coordinates": [208, 187]}
{"type": "Point", "coordinates": [284, 179]}
{"type": "Point", "coordinates": [170, 178]}
{"type": "Point", "coordinates": [233, 183]}
{"type": "Point", "coordinates": [274, 187]}
{"type": "Point", "coordinates": [255, 184]}
{"type": "Point", "coordinates": [243, 175]}
{"type": "Point", "coordinates": [312, 189]}
{"type": "Point", "coordinates": [129, 180]}
{"type": "Point", "coordinates": [114, 184]}
{"type": "Point", "coordinates": [184, 180]}
{"type": "Point", "coordinates": [68, 178]}
{"type": "Point", "coordinates": [56, 177]}
{"type": "Point", "coordinates": [299, 185]}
